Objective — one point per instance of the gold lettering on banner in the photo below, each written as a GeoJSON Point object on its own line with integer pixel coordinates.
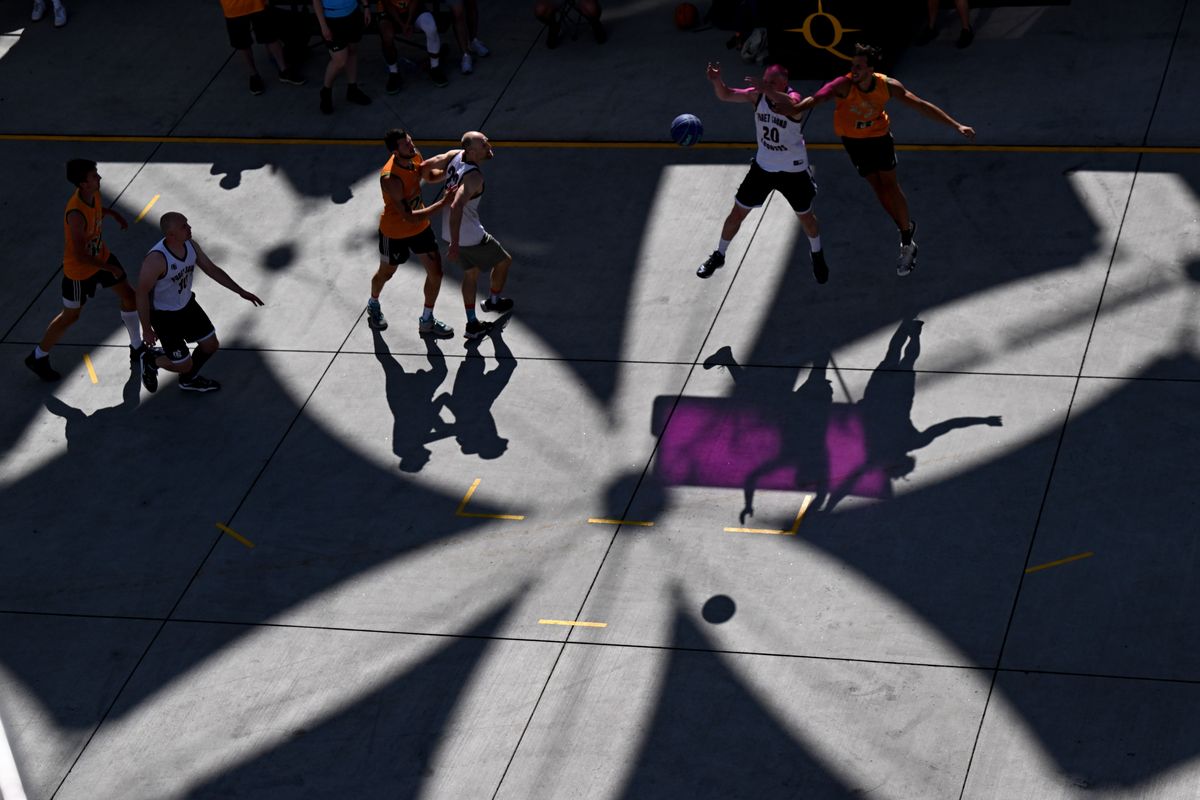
{"type": "Point", "coordinates": [838, 32]}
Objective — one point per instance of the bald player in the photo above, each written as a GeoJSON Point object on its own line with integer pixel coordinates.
{"type": "Point", "coordinates": [169, 311]}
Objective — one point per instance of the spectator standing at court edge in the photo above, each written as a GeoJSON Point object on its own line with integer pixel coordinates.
{"type": "Point", "coordinates": [930, 32]}
{"type": "Point", "coordinates": [245, 16]}
{"type": "Point", "coordinates": [342, 23]}
{"type": "Point", "coordinates": [404, 17]}
{"type": "Point", "coordinates": [550, 15]}
{"type": "Point", "coordinates": [466, 30]}
{"type": "Point", "coordinates": [60, 12]}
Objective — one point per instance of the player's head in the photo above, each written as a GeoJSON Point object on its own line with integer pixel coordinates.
{"type": "Point", "coordinates": [174, 226]}
{"type": "Point", "coordinates": [399, 142]}
{"type": "Point", "coordinates": [81, 172]}
{"type": "Point", "coordinates": [476, 146]}
{"type": "Point", "coordinates": [776, 77]}
{"type": "Point", "coordinates": [866, 60]}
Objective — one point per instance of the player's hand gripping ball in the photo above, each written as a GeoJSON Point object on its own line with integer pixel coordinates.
{"type": "Point", "coordinates": [686, 130]}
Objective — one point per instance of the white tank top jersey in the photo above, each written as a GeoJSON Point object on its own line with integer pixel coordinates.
{"type": "Point", "coordinates": [471, 231]}
{"type": "Point", "coordinates": [174, 289]}
{"type": "Point", "coordinates": [780, 140]}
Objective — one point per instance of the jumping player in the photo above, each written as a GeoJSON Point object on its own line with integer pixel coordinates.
{"type": "Point", "coordinates": [87, 264]}
{"type": "Point", "coordinates": [169, 311]}
{"type": "Point", "coordinates": [781, 163]}
{"type": "Point", "coordinates": [860, 119]}
{"type": "Point", "coordinates": [404, 227]}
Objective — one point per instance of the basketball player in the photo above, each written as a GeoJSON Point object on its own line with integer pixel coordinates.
{"type": "Point", "coordinates": [86, 264]}
{"type": "Point", "coordinates": [469, 243]}
{"type": "Point", "coordinates": [169, 311]}
{"type": "Point", "coordinates": [860, 119]}
{"type": "Point", "coordinates": [404, 227]}
{"type": "Point", "coordinates": [781, 163]}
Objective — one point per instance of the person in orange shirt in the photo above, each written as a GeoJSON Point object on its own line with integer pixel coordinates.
{"type": "Point", "coordinates": [404, 228]}
{"type": "Point", "coordinates": [87, 264]}
{"type": "Point", "coordinates": [860, 119]}
{"type": "Point", "coordinates": [244, 16]}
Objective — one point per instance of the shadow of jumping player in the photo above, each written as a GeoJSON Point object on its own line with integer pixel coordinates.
{"type": "Point", "coordinates": [99, 434]}
{"type": "Point", "coordinates": [885, 411]}
{"type": "Point", "coordinates": [474, 392]}
{"type": "Point", "coordinates": [410, 398]}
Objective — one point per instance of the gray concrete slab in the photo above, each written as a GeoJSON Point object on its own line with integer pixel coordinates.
{"type": "Point", "coordinates": [145, 477]}
{"type": "Point", "coordinates": [114, 89]}
{"type": "Point", "coordinates": [59, 676]}
{"type": "Point", "coordinates": [1151, 298]}
{"type": "Point", "coordinates": [1065, 736]}
{"type": "Point", "coordinates": [662, 723]}
{"type": "Point", "coordinates": [380, 545]}
{"type": "Point", "coordinates": [407, 716]}
{"type": "Point", "coordinates": [1176, 121]}
{"type": "Point", "coordinates": [1125, 611]}
{"type": "Point", "coordinates": [997, 298]}
{"type": "Point", "coordinates": [868, 573]}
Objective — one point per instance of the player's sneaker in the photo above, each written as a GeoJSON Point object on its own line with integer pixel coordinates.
{"type": "Point", "coordinates": [434, 327]}
{"type": "Point", "coordinates": [711, 265]}
{"type": "Point", "coordinates": [39, 10]}
{"type": "Point", "coordinates": [135, 354]}
{"type": "Point", "coordinates": [820, 268]}
{"type": "Point", "coordinates": [477, 47]}
{"type": "Point", "coordinates": [394, 82]}
{"type": "Point", "coordinates": [357, 96]}
{"type": "Point", "coordinates": [199, 384]}
{"type": "Point", "coordinates": [498, 306]}
{"type": "Point", "coordinates": [60, 15]}
{"type": "Point", "coordinates": [375, 319]}
{"type": "Point", "coordinates": [150, 369]}
{"type": "Point", "coordinates": [438, 75]}
{"type": "Point", "coordinates": [908, 252]}
{"type": "Point", "coordinates": [468, 64]}
{"type": "Point", "coordinates": [477, 329]}
{"type": "Point", "coordinates": [292, 75]}
{"type": "Point", "coordinates": [257, 86]}
{"type": "Point", "coordinates": [41, 367]}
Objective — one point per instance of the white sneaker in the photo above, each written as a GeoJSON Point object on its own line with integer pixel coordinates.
{"type": "Point", "coordinates": [60, 15]}
{"type": "Point", "coordinates": [39, 10]}
{"type": "Point", "coordinates": [468, 65]}
{"type": "Point", "coordinates": [478, 48]}
{"type": "Point", "coordinates": [908, 253]}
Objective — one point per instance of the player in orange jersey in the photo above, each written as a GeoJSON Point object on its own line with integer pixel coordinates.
{"type": "Point", "coordinates": [404, 228]}
{"type": "Point", "coordinates": [860, 119]}
{"type": "Point", "coordinates": [87, 264]}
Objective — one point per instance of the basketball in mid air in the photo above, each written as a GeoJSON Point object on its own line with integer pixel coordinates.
{"type": "Point", "coordinates": [686, 130]}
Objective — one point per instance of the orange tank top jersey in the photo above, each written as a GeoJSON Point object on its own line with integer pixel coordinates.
{"type": "Point", "coordinates": [391, 223]}
{"type": "Point", "coordinates": [73, 267]}
{"type": "Point", "coordinates": [242, 8]}
{"type": "Point", "coordinates": [860, 115]}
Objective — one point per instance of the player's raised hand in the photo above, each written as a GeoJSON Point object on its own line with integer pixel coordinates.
{"type": "Point", "coordinates": [755, 83]}
{"type": "Point", "coordinates": [713, 73]}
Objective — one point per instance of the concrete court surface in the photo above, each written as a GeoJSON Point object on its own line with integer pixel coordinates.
{"type": "Point", "coordinates": [962, 562]}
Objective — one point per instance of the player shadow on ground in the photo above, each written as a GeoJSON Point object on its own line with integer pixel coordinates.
{"type": "Point", "coordinates": [417, 422]}
{"type": "Point", "coordinates": [91, 435]}
{"type": "Point", "coordinates": [474, 392]}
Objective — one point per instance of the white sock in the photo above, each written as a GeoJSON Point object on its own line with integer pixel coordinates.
{"type": "Point", "coordinates": [38, 352]}
{"type": "Point", "coordinates": [134, 326]}
{"type": "Point", "coordinates": [814, 242]}
{"type": "Point", "coordinates": [433, 62]}
{"type": "Point", "coordinates": [723, 246]}
{"type": "Point", "coordinates": [426, 314]}
{"type": "Point", "coordinates": [393, 67]}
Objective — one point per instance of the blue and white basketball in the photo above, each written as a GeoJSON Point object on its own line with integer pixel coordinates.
{"type": "Point", "coordinates": [686, 130]}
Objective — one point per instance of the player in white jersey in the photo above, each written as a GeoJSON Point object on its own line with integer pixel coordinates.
{"type": "Point", "coordinates": [169, 311]}
{"type": "Point", "coordinates": [470, 244]}
{"type": "Point", "coordinates": [781, 165]}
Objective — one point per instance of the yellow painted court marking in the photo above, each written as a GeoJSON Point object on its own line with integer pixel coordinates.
{"type": "Point", "coordinates": [622, 145]}
{"type": "Point", "coordinates": [572, 624]}
{"type": "Point", "coordinates": [808, 498]}
{"type": "Point", "coordinates": [223, 528]}
{"type": "Point", "coordinates": [462, 512]}
{"type": "Point", "coordinates": [146, 210]}
{"type": "Point", "coordinates": [87, 362]}
{"type": "Point", "coordinates": [602, 521]}
{"type": "Point", "coordinates": [1060, 562]}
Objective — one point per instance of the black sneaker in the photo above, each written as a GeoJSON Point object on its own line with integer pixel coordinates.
{"type": "Point", "coordinates": [438, 75]}
{"type": "Point", "coordinates": [256, 84]}
{"type": "Point", "coordinates": [965, 38]}
{"type": "Point", "coordinates": [599, 32]}
{"type": "Point", "coordinates": [199, 384]}
{"type": "Point", "coordinates": [292, 76]}
{"type": "Point", "coordinates": [135, 354]}
{"type": "Point", "coordinates": [711, 265]}
{"type": "Point", "coordinates": [150, 369]}
{"type": "Point", "coordinates": [927, 35]}
{"type": "Point", "coordinates": [326, 100]}
{"type": "Point", "coordinates": [498, 306]}
{"type": "Point", "coordinates": [394, 82]}
{"type": "Point", "coordinates": [553, 34]}
{"type": "Point", "coordinates": [41, 367]}
{"type": "Point", "coordinates": [357, 96]}
{"type": "Point", "coordinates": [820, 268]}
{"type": "Point", "coordinates": [477, 329]}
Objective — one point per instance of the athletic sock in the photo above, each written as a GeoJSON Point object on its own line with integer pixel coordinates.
{"type": "Point", "coordinates": [134, 326]}
{"type": "Point", "coordinates": [433, 62]}
{"type": "Point", "coordinates": [393, 67]}
{"type": "Point", "coordinates": [199, 358]}
{"type": "Point", "coordinates": [38, 352]}
{"type": "Point", "coordinates": [814, 242]}
{"type": "Point", "coordinates": [722, 246]}
{"type": "Point", "coordinates": [494, 295]}
{"type": "Point", "coordinates": [470, 313]}
{"type": "Point", "coordinates": [427, 314]}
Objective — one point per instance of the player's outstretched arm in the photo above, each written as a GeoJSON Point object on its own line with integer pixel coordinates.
{"type": "Point", "coordinates": [154, 266]}
{"type": "Point", "coordinates": [897, 90]}
{"type": "Point", "coordinates": [433, 170]}
{"type": "Point", "coordinates": [221, 276]}
{"type": "Point", "coordinates": [830, 91]}
{"type": "Point", "coordinates": [395, 190]}
{"type": "Point", "coordinates": [722, 91]}
{"type": "Point", "coordinates": [116, 215]}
